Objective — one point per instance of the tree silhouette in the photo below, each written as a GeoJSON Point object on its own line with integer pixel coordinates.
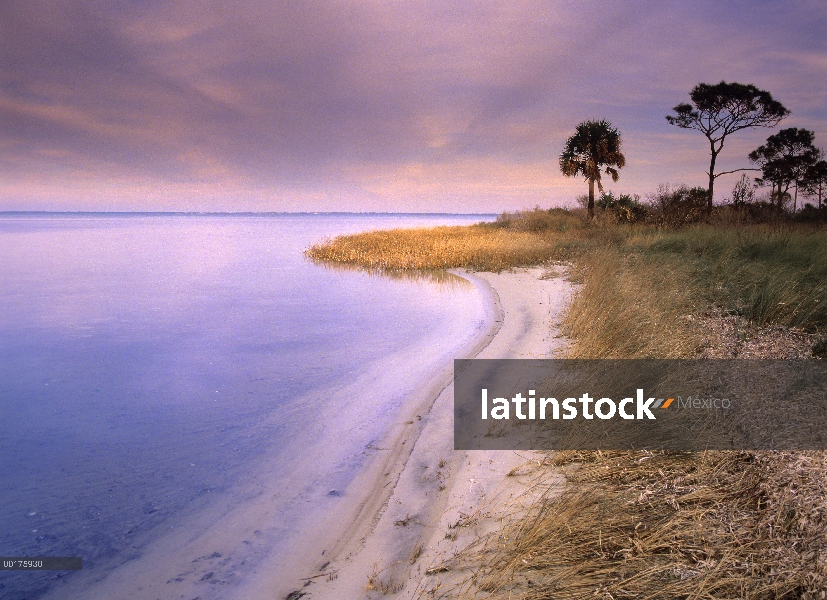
{"type": "Point", "coordinates": [594, 145]}
{"type": "Point", "coordinates": [743, 192]}
{"type": "Point", "coordinates": [814, 183]}
{"type": "Point", "coordinates": [724, 108]}
{"type": "Point", "coordinates": [784, 160]}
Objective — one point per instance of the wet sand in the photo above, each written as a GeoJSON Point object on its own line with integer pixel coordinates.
{"type": "Point", "coordinates": [272, 537]}
{"type": "Point", "coordinates": [406, 524]}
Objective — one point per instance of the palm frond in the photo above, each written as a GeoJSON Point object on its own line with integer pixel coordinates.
{"type": "Point", "coordinates": [595, 144]}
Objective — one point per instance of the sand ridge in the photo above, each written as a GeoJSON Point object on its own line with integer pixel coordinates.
{"type": "Point", "coordinates": [439, 488]}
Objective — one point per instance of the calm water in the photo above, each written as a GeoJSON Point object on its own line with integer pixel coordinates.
{"type": "Point", "coordinates": [147, 362]}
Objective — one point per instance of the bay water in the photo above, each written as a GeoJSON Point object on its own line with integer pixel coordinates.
{"type": "Point", "coordinates": [151, 362]}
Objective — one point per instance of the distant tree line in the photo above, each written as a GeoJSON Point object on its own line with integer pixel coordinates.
{"type": "Point", "coordinates": [788, 160]}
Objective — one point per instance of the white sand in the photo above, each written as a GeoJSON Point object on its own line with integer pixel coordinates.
{"type": "Point", "coordinates": [409, 488]}
{"type": "Point", "coordinates": [438, 486]}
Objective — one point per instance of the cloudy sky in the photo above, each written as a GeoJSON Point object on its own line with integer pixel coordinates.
{"type": "Point", "coordinates": [412, 105]}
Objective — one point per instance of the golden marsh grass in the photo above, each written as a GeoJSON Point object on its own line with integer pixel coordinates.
{"type": "Point", "coordinates": [476, 247]}
{"type": "Point", "coordinates": [638, 524]}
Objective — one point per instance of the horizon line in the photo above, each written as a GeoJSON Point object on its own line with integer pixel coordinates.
{"type": "Point", "coordinates": [227, 213]}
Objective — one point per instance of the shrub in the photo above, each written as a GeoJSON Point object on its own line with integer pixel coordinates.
{"type": "Point", "coordinates": [680, 206]}
{"type": "Point", "coordinates": [582, 201]}
{"type": "Point", "coordinates": [811, 214]}
{"type": "Point", "coordinates": [743, 192]}
{"type": "Point", "coordinates": [626, 208]}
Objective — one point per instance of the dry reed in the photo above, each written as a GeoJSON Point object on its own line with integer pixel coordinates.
{"type": "Point", "coordinates": [476, 247]}
{"type": "Point", "coordinates": [662, 526]}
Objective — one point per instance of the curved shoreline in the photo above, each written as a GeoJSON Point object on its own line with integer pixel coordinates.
{"type": "Point", "coordinates": [437, 486]}
{"type": "Point", "coordinates": [286, 520]}
{"type": "Point", "coordinates": [350, 527]}
{"type": "Point", "coordinates": [406, 484]}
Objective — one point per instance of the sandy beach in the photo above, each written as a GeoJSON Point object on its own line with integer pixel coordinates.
{"type": "Point", "coordinates": [386, 526]}
{"type": "Point", "coordinates": [401, 526]}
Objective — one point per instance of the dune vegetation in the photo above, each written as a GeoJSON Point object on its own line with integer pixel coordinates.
{"type": "Point", "coordinates": [646, 285]}
{"type": "Point", "coordinates": [737, 283]}
{"type": "Point", "coordinates": [674, 277]}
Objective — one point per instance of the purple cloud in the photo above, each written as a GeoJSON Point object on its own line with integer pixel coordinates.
{"type": "Point", "coordinates": [362, 105]}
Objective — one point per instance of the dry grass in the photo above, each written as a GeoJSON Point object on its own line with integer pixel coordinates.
{"type": "Point", "coordinates": [528, 238]}
{"type": "Point", "coordinates": [653, 525]}
{"type": "Point", "coordinates": [662, 526]}
{"type": "Point", "coordinates": [477, 247]}
{"type": "Point", "coordinates": [626, 310]}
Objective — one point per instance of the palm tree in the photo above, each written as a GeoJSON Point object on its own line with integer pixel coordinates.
{"type": "Point", "coordinates": [595, 144]}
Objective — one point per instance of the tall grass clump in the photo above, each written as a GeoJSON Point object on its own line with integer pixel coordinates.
{"type": "Point", "coordinates": [661, 525]}
{"type": "Point", "coordinates": [627, 309]}
{"type": "Point", "coordinates": [513, 240]}
{"type": "Point", "coordinates": [770, 275]}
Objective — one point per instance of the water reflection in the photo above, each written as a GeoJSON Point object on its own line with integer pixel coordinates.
{"type": "Point", "coordinates": [147, 363]}
{"type": "Point", "coordinates": [434, 276]}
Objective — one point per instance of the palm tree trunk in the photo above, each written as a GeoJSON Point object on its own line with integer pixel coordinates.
{"type": "Point", "coordinates": [591, 199]}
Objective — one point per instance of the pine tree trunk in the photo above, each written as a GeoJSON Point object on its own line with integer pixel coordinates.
{"type": "Point", "coordinates": [711, 177]}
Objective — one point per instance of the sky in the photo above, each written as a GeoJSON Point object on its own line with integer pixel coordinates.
{"type": "Point", "coordinates": [376, 105]}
